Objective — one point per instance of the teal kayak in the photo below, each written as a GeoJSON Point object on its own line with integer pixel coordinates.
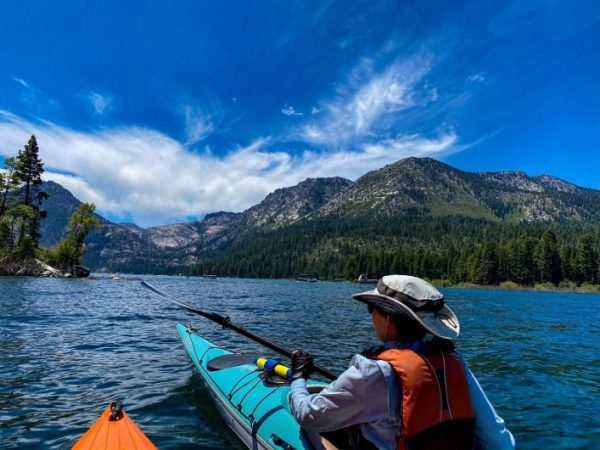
{"type": "Point", "coordinates": [253, 402]}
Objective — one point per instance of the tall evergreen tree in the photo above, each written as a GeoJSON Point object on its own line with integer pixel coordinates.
{"type": "Point", "coordinates": [586, 263]}
{"type": "Point", "coordinates": [488, 266]}
{"type": "Point", "coordinates": [28, 170]}
{"type": "Point", "coordinates": [525, 264]}
{"type": "Point", "coordinates": [548, 259]}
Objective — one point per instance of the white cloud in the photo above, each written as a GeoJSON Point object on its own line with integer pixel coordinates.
{"type": "Point", "coordinates": [290, 111]}
{"type": "Point", "coordinates": [374, 156]}
{"type": "Point", "coordinates": [101, 103]}
{"type": "Point", "coordinates": [369, 102]}
{"type": "Point", "coordinates": [154, 179]}
{"type": "Point", "coordinates": [21, 81]}
{"type": "Point", "coordinates": [312, 133]}
{"type": "Point", "coordinates": [475, 78]}
{"type": "Point", "coordinates": [315, 110]}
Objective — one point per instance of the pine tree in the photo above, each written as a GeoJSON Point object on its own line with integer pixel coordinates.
{"type": "Point", "coordinates": [525, 265]}
{"type": "Point", "coordinates": [28, 170]}
{"type": "Point", "coordinates": [586, 263]}
{"type": "Point", "coordinates": [566, 262]}
{"type": "Point", "coordinates": [548, 259]}
{"type": "Point", "coordinates": [488, 266]}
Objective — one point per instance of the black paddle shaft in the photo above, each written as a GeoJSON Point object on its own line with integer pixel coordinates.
{"type": "Point", "coordinates": [226, 323]}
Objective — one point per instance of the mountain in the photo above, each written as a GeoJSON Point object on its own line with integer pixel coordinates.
{"type": "Point", "coordinates": [425, 186]}
{"type": "Point", "coordinates": [320, 214]}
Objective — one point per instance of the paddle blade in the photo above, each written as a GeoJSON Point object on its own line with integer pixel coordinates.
{"type": "Point", "coordinates": [120, 434]}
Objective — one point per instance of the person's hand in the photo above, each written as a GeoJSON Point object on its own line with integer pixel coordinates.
{"type": "Point", "coordinates": [302, 364]}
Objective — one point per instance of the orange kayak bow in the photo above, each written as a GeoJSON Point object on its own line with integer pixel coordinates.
{"type": "Point", "coordinates": [114, 430]}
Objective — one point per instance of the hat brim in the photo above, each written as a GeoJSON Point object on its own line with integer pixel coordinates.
{"type": "Point", "coordinates": [443, 324]}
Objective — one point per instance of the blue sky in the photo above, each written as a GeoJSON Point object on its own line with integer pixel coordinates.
{"type": "Point", "coordinates": [160, 112]}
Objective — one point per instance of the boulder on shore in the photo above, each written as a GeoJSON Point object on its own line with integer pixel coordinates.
{"type": "Point", "coordinates": [81, 271]}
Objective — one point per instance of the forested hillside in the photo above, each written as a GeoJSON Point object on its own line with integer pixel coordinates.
{"type": "Point", "coordinates": [454, 249]}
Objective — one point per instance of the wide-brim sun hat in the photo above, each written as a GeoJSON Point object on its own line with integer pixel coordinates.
{"type": "Point", "coordinates": [412, 297]}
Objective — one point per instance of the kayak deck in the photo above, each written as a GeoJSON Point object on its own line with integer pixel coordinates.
{"type": "Point", "coordinates": [254, 405]}
{"type": "Point", "coordinates": [114, 432]}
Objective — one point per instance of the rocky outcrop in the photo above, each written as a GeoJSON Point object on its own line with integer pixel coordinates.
{"type": "Point", "coordinates": [33, 267]}
{"type": "Point", "coordinates": [173, 236]}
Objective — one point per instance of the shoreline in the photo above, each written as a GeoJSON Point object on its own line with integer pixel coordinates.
{"type": "Point", "coordinates": [588, 289]}
{"type": "Point", "coordinates": [440, 284]}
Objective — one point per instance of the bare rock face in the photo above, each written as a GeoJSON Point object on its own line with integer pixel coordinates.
{"type": "Point", "coordinates": [173, 236]}
{"type": "Point", "coordinates": [288, 205]}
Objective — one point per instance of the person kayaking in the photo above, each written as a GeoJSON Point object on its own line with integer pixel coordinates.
{"type": "Point", "coordinates": [413, 392]}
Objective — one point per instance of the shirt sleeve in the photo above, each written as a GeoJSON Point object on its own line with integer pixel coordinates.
{"type": "Point", "coordinates": [359, 395]}
{"type": "Point", "coordinates": [490, 429]}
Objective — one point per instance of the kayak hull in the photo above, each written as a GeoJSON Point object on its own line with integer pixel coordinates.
{"type": "Point", "coordinates": [254, 407]}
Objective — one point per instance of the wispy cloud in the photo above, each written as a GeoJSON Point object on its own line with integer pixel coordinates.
{"type": "Point", "coordinates": [101, 103]}
{"type": "Point", "coordinates": [433, 94]}
{"type": "Point", "coordinates": [353, 164]}
{"type": "Point", "coordinates": [21, 81]}
{"type": "Point", "coordinates": [290, 111]}
{"type": "Point", "coordinates": [154, 179]}
{"type": "Point", "coordinates": [34, 98]}
{"type": "Point", "coordinates": [476, 78]}
{"type": "Point", "coordinates": [198, 124]}
{"type": "Point", "coordinates": [369, 101]}
{"type": "Point", "coordinates": [201, 120]}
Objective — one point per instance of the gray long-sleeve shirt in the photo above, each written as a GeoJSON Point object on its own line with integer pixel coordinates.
{"type": "Point", "coordinates": [368, 393]}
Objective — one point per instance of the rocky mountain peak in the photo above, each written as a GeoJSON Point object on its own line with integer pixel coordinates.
{"type": "Point", "coordinates": [289, 204]}
{"type": "Point", "coordinates": [554, 183]}
{"type": "Point", "coordinates": [513, 180]}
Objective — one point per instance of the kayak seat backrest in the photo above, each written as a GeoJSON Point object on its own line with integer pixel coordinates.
{"type": "Point", "coordinates": [229, 360]}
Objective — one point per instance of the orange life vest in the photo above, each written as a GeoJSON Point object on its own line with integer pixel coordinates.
{"type": "Point", "coordinates": [435, 406]}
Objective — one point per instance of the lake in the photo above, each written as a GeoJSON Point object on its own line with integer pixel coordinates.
{"type": "Point", "coordinates": [69, 347]}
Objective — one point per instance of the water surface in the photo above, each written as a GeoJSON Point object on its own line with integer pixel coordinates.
{"type": "Point", "coordinates": [69, 347]}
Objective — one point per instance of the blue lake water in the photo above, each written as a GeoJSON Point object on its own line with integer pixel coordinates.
{"type": "Point", "coordinates": [69, 347]}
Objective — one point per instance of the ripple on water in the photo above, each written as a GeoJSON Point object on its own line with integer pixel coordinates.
{"type": "Point", "coordinates": [69, 347]}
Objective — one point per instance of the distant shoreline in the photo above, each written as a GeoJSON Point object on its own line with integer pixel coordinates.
{"type": "Point", "coordinates": [585, 289]}
{"type": "Point", "coordinates": [443, 284]}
